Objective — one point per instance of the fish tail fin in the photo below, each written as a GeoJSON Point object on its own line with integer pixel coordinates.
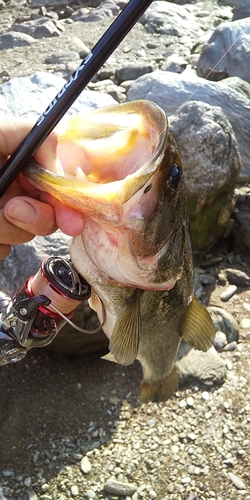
{"type": "Point", "coordinates": [159, 391]}
{"type": "Point", "coordinates": [197, 328]}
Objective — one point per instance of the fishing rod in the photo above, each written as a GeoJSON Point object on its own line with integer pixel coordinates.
{"type": "Point", "coordinates": [71, 90]}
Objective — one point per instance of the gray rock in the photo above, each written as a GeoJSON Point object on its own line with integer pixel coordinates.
{"type": "Point", "coordinates": [241, 9]}
{"type": "Point", "coordinates": [211, 162]}
{"type": "Point", "coordinates": [14, 39]}
{"type": "Point", "coordinates": [225, 322]}
{"type": "Point", "coordinates": [228, 293]}
{"type": "Point", "coordinates": [220, 340]}
{"type": "Point", "coordinates": [241, 227]}
{"type": "Point", "coordinates": [29, 96]}
{"type": "Point", "coordinates": [65, 57]}
{"type": "Point", "coordinates": [234, 82]}
{"type": "Point", "coordinates": [175, 63]}
{"type": "Point", "coordinates": [231, 3]}
{"type": "Point", "coordinates": [79, 46]}
{"type": "Point", "coordinates": [202, 367]}
{"type": "Point", "coordinates": [40, 28]}
{"type": "Point", "coordinates": [80, 14]}
{"type": "Point", "coordinates": [172, 90]}
{"type": "Point", "coordinates": [170, 19]}
{"type": "Point", "coordinates": [119, 487]}
{"type": "Point", "coordinates": [105, 10]}
{"type": "Point", "coordinates": [132, 72]}
{"type": "Point", "coordinates": [37, 3]}
{"type": "Point", "coordinates": [237, 277]}
{"type": "Point", "coordinates": [230, 347]}
{"type": "Point", "coordinates": [233, 62]}
{"type": "Point", "coordinates": [118, 93]}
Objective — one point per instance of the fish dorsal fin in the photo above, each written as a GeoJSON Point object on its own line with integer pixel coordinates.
{"type": "Point", "coordinates": [197, 328]}
{"type": "Point", "coordinates": [124, 341]}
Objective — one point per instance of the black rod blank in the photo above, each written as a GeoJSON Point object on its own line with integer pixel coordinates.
{"type": "Point", "coordinates": [71, 90]}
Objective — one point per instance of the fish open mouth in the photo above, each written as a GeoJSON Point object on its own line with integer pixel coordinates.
{"type": "Point", "coordinates": [110, 144]}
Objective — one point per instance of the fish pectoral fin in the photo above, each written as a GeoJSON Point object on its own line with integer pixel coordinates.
{"type": "Point", "coordinates": [159, 391]}
{"type": "Point", "coordinates": [124, 341]}
{"type": "Point", "coordinates": [197, 328]}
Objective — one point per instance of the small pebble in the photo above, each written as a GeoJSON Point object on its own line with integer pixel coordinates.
{"type": "Point", "coordinates": [90, 494]}
{"type": "Point", "coordinates": [222, 279]}
{"type": "Point", "coordinates": [245, 323]}
{"type": "Point", "coordinates": [119, 487]}
{"type": "Point", "coordinates": [186, 480]}
{"type": "Point", "coordinates": [182, 403]}
{"type": "Point", "coordinates": [246, 306]}
{"type": "Point", "coordinates": [8, 473]}
{"type": "Point", "coordinates": [228, 293]}
{"type": "Point", "coordinates": [174, 449]}
{"type": "Point", "coordinates": [74, 490]}
{"type": "Point", "coordinates": [220, 340]}
{"type": "Point", "coordinates": [230, 347]}
{"type": "Point", "coordinates": [31, 495]}
{"type": "Point", "coordinates": [237, 481]}
{"type": "Point", "coordinates": [207, 279]}
{"type": "Point", "coordinates": [85, 465]}
{"type": "Point", "coordinates": [152, 494]}
{"type": "Point", "coordinates": [192, 436]}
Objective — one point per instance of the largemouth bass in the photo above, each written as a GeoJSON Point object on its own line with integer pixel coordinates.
{"type": "Point", "coordinates": [121, 168]}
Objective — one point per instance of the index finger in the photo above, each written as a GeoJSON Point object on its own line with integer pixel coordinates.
{"type": "Point", "coordinates": [12, 133]}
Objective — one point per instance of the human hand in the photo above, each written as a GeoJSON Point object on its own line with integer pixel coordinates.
{"type": "Point", "coordinates": [24, 210]}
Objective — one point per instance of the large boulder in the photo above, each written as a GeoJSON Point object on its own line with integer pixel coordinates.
{"type": "Point", "coordinates": [227, 52]}
{"type": "Point", "coordinates": [211, 163]}
{"type": "Point", "coordinates": [171, 91]}
{"type": "Point", "coordinates": [29, 96]}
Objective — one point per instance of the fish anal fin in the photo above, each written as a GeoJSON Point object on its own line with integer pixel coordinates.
{"type": "Point", "coordinates": [125, 337]}
{"type": "Point", "coordinates": [109, 357]}
{"type": "Point", "coordinates": [197, 328]}
{"type": "Point", "coordinates": [159, 391]}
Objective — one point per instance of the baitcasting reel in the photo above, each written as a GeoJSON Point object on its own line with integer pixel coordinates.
{"type": "Point", "coordinates": [40, 308]}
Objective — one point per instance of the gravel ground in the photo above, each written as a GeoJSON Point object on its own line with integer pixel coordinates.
{"type": "Point", "coordinates": [71, 427]}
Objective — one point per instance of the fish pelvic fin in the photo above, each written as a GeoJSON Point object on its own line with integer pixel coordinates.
{"type": "Point", "coordinates": [159, 391]}
{"type": "Point", "coordinates": [124, 341]}
{"type": "Point", "coordinates": [198, 328]}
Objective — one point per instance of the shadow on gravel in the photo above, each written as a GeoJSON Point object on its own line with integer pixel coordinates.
{"type": "Point", "coordinates": [69, 401]}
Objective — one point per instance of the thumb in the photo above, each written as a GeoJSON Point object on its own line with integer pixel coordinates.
{"type": "Point", "coordinates": [31, 215]}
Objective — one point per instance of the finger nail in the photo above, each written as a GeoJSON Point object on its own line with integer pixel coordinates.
{"type": "Point", "coordinates": [21, 211]}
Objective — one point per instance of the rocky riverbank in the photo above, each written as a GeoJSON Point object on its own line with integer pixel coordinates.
{"type": "Point", "coordinates": [71, 427]}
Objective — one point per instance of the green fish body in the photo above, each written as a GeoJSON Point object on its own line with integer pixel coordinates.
{"type": "Point", "coordinates": [121, 168]}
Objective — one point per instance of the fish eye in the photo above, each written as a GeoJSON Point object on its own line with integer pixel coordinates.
{"type": "Point", "coordinates": [147, 189]}
{"type": "Point", "coordinates": [175, 176]}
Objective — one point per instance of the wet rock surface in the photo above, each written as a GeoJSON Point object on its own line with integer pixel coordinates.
{"type": "Point", "coordinates": [71, 426]}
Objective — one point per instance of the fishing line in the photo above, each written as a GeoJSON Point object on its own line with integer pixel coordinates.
{"type": "Point", "coordinates": [192, 94]}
